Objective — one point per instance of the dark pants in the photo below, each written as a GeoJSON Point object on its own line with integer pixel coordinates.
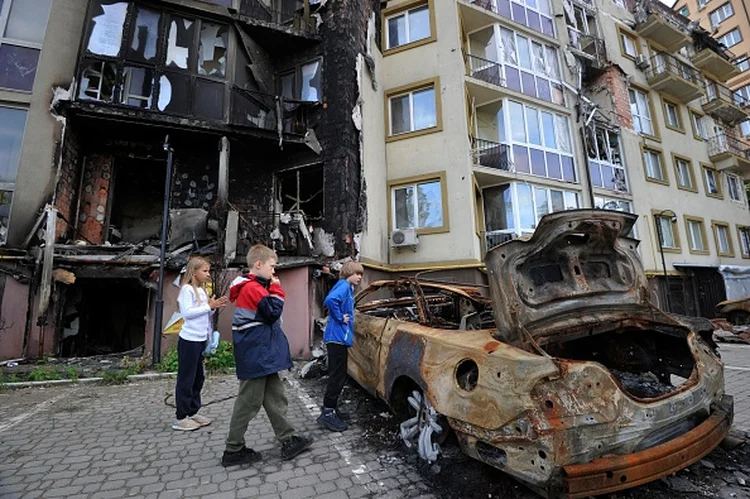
{"type": "Point", "coordinates": [189, 377]}
{"type": "Point", "coordinates": [337, 356]}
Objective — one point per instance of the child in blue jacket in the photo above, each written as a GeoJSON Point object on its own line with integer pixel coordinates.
{"type": "Point", "coordinates": [338, 337]}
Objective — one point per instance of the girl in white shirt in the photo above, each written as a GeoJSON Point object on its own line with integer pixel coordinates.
{"type": "Point", "coordinates": [197, 309]}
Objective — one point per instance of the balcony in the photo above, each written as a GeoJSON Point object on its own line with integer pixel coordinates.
{"type": "Point", "coordinates": [588, 47]}
{"type": "Point", "coordinates": [486, 80]}
{"type": "Point", "coordinates": [730, 153]}
{"type": "Point", "coordinates": [718, 64]}
{"type": "Point", "coordinates": [478, 14]}
{"type": "Point", "coordinates": [490, 154]}
{"type": "Point", "coordinates": [665, 27]}
{"type": "Point", "coordinates": [723, 104]}
{"type": "Point", "coordinates": [495, 237]}
{"type": "Point", "coordinates": [268, 112]}
{"type": "Point", "coordinates": [669, 75]}
{"type": "Point", "coordinates": [294, 14]}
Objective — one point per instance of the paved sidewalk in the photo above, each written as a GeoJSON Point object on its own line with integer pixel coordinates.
{"type": "Point", "coordinates": [116, 441]}
{"type": "Point", "coordinates": [736, 359]}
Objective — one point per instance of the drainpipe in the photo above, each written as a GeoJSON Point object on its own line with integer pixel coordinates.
{"type": "Point", "coordinates": [661, 251]}
{"type": "Point", "coordinates": [159, 310]}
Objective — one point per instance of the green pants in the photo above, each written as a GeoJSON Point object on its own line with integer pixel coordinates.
{"type": "Point", "coordinates": [254, 393]}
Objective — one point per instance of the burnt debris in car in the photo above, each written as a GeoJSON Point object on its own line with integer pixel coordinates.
{"type": "Point", "coordinates": [566, 377]}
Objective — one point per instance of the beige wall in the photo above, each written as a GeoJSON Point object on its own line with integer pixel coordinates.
{"type": "Point", "coordinates": [36, 170]}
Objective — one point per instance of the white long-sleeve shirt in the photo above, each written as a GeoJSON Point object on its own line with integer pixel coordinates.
{"type": "Point", "coordinates": [196, 312]}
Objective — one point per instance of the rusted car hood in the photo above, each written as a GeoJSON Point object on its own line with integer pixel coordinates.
{"type": "Point", "coordinates": [578, 264]}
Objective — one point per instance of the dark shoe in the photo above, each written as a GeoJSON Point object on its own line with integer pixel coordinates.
{"type": "Point", "coordinates": [329, 419]}
{"type": "Point", "coordinates": [293, 446]}
{"type": "Point", "coordinates": [343, 416]}
{"type": "Point", "coordinates": [244, 456]}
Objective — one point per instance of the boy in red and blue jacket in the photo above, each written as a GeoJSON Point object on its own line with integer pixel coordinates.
{"type": "Point", "coordinates": [261, 350]}
{"type": "Point", "coordinates": [338, 337]}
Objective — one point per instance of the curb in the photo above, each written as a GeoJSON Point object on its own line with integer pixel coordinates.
{"type": "Point", "coordinates": [81, 381]}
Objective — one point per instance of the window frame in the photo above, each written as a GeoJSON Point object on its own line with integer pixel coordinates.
{"type": "Point", "coordinates": [740, 187]}
{"type": "Point", "coordinates": [716, 10]}
{"type": "Point", "coordinates": [414, 181]}
{"type": "Point", "coordinates": [622, 33]}
{"type": "Point", "coordinates": [405, 8]}
{"type": "Point", "coordinates": [685, 8]}
{"type": "Point", "coordinates": [680, 127]}
{"type": "Point", "coordinates": [660, 154]}
{"type": "Point", "coordinates": [5, 7]}
{"type": "Point", "coordinates": [704, 237]}
{"type": "Point", "coordinates": [705, 167]}
{"type": "Point", "coordinates": [674, 224]}
{"type": "Point", "coordinates": [716, 224]}
{"type": "Point", "coordinates": [296, 71]}
{"type": "Point", "coordinates": [655, 135]}
{"type": "Point", "coordinates": [693, 184]}
{"type": "Point", "coordinates": [599, 163]}
{"type": "Point", "coordinates": [11, 186]}
{"type": "Point", "coordinates": [743, 63]}
{"type": "Point", "coordinates": [722, 37]}
{"type": "Point", "coordinates": [693, 124]}
{"type": "Point", "coordinates": [743, 252]}
{"type": "Point", "coordinates": [407, 90]}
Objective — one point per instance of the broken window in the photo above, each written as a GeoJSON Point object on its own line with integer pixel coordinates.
{"type": "Point", "coordinates": [145, 35]}
{"type": "Point", "coordinates": [174, 93]}
{"type": "Point", "coordinates": [310, 89]}
{"type": "Point", "coordinates": [98, 82]}
{"type": "Point", "coordinates": [303, 82]}
{"type": "Point", "coordinates": [209, 99]}
{"type": "Point", "coordinates": [301, 191]}
{"type": "Point", "coordinates": [212, 54]}
{"type": "Point", "coordinates": [605, 162]}
{"type": "Point", "coordinates": [180, 42]}
{"type": "Point", "coordinates": [11, 138]}
{"type": "Point", "coordinates": [137, 87]}
{"type": "Point", "coordinates": [108, 21]}
{"type": "Point", "coordinates": [25, 22]}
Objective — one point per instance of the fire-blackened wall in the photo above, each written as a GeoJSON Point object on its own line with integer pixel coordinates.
{"type": "Point", "coordinates": [67, 184]}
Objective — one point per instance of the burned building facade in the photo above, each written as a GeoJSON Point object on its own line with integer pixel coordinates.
{"type": "Point", "coordinates": [253, 101]}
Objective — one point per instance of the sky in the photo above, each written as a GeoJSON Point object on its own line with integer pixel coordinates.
{"type": "Point", "coordinates": [669, 3]}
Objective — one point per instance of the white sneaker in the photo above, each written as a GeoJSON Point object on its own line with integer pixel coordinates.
{"type": "Point", "coordinates": [185, 424]}
{"type": "Point", "coordinates": [201, 420]}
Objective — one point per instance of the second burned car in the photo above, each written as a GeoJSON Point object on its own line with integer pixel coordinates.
{"type": "Point", "coordinates": [566, 377]}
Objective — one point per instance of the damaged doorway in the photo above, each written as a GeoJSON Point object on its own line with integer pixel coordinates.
{"type": "Point", "coordinates": [300, 190]}
{"type": "Point", "coordinates": [103, 316]}
{"type": "Point", "coordinates": [138, 200]}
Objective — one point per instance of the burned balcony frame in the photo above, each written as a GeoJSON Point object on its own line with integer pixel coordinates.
{"type": "Point", "coordinates": [286, 13]}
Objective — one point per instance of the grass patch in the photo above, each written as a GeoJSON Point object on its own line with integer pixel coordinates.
{"type": "Point", "coordinates": [220, 362]}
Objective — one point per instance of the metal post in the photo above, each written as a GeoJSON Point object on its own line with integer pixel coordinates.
{"type": "Point", "coordinates": [159, 309]}
{"type": "Point", "coordinates": [663, 262]}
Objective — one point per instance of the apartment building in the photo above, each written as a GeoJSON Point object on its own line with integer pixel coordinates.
{"type": "Point", "coordinates": [496, 112]}
{"type": "Point", "coordinates": [729, 22]}
{"type": "Point", "coordinates": [249, 102]}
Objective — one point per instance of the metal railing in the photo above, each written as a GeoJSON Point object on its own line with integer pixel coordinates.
{"type": "Point", "coordinates": [721, 144]}
{"type": "Point", "coordinates": [486, 4]}
{"type": "Point", "coordinates": [717, 91]}
{"type": "Point", "coordinates": [280, 232]}
{"type": "Point", "coordinates": [485, 70]}
{"type": "Point", "coordinates": [268, 112]}
{"type": "Point", "coordinates": [588, 44]}
{"type": "Point", "coordinates": [707, 42]}
{"type": "Point", "coordinates": [659, 9]}
{"type": "Point", "coordinates": [491, 154]}
{"type": "Point", "coordinates": [494, 237]}
{"type": "Point", "coordinates": [278, 13]}
{"type": "Point", "coordinates": [664, 63]}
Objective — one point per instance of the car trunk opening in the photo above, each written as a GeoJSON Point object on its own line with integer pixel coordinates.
{"type": "Point", "coordinates": [646, 362]}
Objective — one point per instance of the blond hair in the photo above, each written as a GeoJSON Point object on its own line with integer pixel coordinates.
{"type": "Point", "coordinates": [193, 265]}
{"type": "Point", "coordinates": [350, 268]}
{"type": "Point", "coordinates": [260, 253]}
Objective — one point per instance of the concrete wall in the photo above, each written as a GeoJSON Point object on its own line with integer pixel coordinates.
{"type": "Point", "coordinates": [57, 62]}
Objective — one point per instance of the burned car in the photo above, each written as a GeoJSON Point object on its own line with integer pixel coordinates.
{"type": "Point", "coordinates": [736, 311]}
{"type": "Point", "coordinates": [566, 377]}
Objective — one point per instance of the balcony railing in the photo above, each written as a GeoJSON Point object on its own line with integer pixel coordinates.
{"type": "Point", "coordinates": [722, 144]}
{"type": "Point", "coordinates": [716, 91]}
{"type": "Point", "coordinates": [589, 46]}
{"type": "Point", "coordinates": [279, 13]}
{"type": "Point", "coordinates": [491, 154]}
{"type": "Point", "coordinates": [664, 63]}
{"type": "Point", "coordinates": [268, 112]}
{"type": "Point", "coordinates": [485, 70]}
{"type": "Point", "coordinates": [282, 232]}
{"type": "Point", "coordinates": [495, 237]}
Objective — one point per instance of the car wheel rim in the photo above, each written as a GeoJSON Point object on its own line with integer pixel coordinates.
{"type": "Point", "coordinates": [418, 431]}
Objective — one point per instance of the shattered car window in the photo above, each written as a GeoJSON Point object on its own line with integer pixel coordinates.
{"type": "Point", "coordinates": [212, 60]}
{"type": "Point", "coordinates": [145, 35]}
{"type": "Point", "coordinates": [98, 82]}
{"type": "Point", "coordinates": [108, 23]}
{"type": "Point", "coordinates": [180, 42]}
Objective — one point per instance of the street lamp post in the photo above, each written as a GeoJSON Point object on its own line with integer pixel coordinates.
{"type": "Point", "coordinates": [660, 235]}
{"type": "Point", "coordinates": [159, 309]}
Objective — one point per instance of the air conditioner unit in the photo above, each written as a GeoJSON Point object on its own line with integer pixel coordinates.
{"type": "Point", "coordinates": [404, 237]}
{"type": "Point", "coordinates": [641, 62]}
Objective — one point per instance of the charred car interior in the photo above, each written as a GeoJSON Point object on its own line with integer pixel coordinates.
{"type": "Point", "coordinates": [566, 377]}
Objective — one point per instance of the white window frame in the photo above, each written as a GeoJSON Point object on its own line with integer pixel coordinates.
{"type": "Point", "coordinates": [11, 186]}
{"type": "Point", "coordinates": [4, 16]}
{"type": "Point", "coordinates": [415, 185]}
{"type": "Point", "coordinates": [691, 235]}
{"type": "Point", "coordinates": [662, 221]}
{"type": "Point", "coordinates": [699, 125]}
{"type": "Point", "coordinates": [688, 173]}
{"type": "Point", "coordinates": [702, 3]}
{"type": "Point", "coordinates": [721, 14]}
{"type": "Point", "coordinates": [639, 118]}
{"type": "Point", "coordinates": [571, 200]}
{"type": "Point", "coordinates": [734, 182]}
{"type": "Point", "coordinates": [743, 233]}
{"type": "Point", "coordinates": [678, 122]}
{"type": "Point", "coordinates": [411, 93]}
{"type": "Point", "coordinates": [745, 128]}
{"type": "Point", "coordinates": [654, 154]}
{"type": "Point", "coordinates": [711, 172]}
{"type": "Point", "coordinates": [406, 15]}
{"type": "Point", "coordinates": [743, 64]}
{"type": "Point", "coordinates": [723, 229]}
{"type": "Point", "coordinates": [606, 158]}
{"type": "Point", "coordinates": [734, 39]}
{"type": "Point", "coordinates": [629, 42]}
{"type": "Point", "coordinates": [511, 141]}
